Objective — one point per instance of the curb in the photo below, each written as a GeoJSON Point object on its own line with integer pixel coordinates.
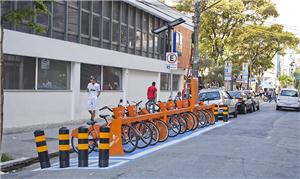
{"type": "Point", "coordinates": [24, 162]}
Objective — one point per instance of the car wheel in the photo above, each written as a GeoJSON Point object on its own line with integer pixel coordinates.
{"type": "Point", "coordinates": [251, 109]}
{"type": "Point", "coordinates": [298, 109]}
{"type": "Point", "coordinates": [257, 107]}
{"type": "Point", "coordinates": [277, 108]}
{"type": "Point", "coordinates": [253, 106]}
{"type": "Point", "coordinates": [245, 110]}
{"type": "Point", "coordinates": [235, 113]}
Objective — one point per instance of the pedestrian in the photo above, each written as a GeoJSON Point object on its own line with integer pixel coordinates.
{"type": "Point", "coordinates": [270, 95]}
{"type": "Point", "coordinates": [93, 89]}
{"type": "Point", "coordinates": [151, 96]}
{"type": "Point", "coordinates": [178, 96]}
{"type": "Point", "coordinates": [274, 95]}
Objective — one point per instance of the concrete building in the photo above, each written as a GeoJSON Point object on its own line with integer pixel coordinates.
{"type": "Point", "coordinates": [46, 74]}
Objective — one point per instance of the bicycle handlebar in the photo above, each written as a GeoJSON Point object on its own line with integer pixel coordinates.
{"type": "Point", "coordinates": [106, 107]}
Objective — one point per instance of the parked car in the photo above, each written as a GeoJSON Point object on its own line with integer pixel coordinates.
{"type": "Point", "coordinates": [219, 97]}
{"type": "Point", "coordinates": [244, 104]}
{"type": "Point", "coordinates": [254, 98]}
{"type": "Point", "coordinates": [288, 98]}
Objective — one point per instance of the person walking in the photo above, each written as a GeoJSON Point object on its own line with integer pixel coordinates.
{"type": "Point", "coordinates": [93, 89]}
{"type": "Point", "coordinates": [151, 96]}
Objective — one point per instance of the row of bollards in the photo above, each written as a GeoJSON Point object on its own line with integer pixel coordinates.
{"type": "Point", "coordinates": [64, 147]}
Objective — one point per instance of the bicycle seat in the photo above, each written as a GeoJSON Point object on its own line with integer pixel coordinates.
{"type": "Point", "coordinates": [103, 116]}
{"type": "Point", "coordinates": [91, 122]}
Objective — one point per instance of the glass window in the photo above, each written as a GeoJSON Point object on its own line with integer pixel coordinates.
{"type": "Point", "coordinates": [156, 43]}
{"type": "Point", "coordinates": [73, 3]}
{"type": "Point", "coordinates": [138, 19]}
{"type": "Point", "coordinates": [87, 70]}
{"type": "Point", "coordinates": [6, 6]}
{"type": "Point", "coordinates": [151, 43]}
{"type": "Point", "coordinates": [97, 7]}
{"type": "Point", "coordinates": [291, 93]}
{"type": "Point", "coordinates": [123, 34]}
{"type": "Point", "coordinates": [208, 96]}
{"type": "Point", "coordinates": [43, 18]}
{"type": "Point", "coordinates": [73, 16]}
{"type": "Point", "coordinates": [124, 13]}
{"type": "Point", "coordinates": [59, 15]}
{"type": "Point", "coordinates": [53, 74]}
{"type": "Point", "coordinates": [58, 35]}
{"type": "Point", "coordinates": [112, 78]}
{"type": "Point", "coordinates": [86, 5]}
{"type": "Point", "coordinates": [116, 10]}
{"type": "Point", "coordinates": [85, 27]}
{"type": "Point", "coordinates": [145, 22]}
{"type": "Point", "coordinates": [145, 41]}
{"type": "Point", "coordinates": [19, 72]}
{"type": "Point", "coordinates": [164, 81]}
{"type": "Point", "coordinates": [115, 35]}
{"type": "Point", "coordinates": [131, 37]}
{"type": "Point", "coordinates": [106, 29]}
{"type": "Point", "coordinates": [106, 8]}
{"type": "Point", "coordinates": [138, 39]}
{"type": "Point", "coordinates": [96, 23]}
{"type": "Point", "coordinates": [131, 16]}
{"type": "Point", "coordinates": [175, 84]}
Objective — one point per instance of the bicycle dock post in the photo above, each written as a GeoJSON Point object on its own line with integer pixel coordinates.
{"type": "Point", "coordinates": [104, 146]}
{"type": "Point", "coordinates": [216, 113]}
{"type": "Point", "coordinates": [83, 147]}
{"type": "Point", "coordinates": [64, 147]}
{"type": "Point", "coordinates": [41, 148]}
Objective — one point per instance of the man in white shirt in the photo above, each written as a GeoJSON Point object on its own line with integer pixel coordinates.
{"type": "Point", "coordinates": [93, 89]}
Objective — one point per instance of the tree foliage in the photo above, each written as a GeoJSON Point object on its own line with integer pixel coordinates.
{"type": "Point", "coordinates": [286, 81]}
{"type": "Point", "coordinates": [237, 30]}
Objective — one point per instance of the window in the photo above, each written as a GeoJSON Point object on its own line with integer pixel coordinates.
{"type": "Point", "coordinates": [131, 16]}
{"type": "Point", "coordinates": [131, 38]}
{"type": "Point", "coordinates": [138, 39]}
{"type": "Point", "coordinates": [73, 3]}
{"type": "Point", "coordinates": [86, 5]}
{"type": "Point", "coordinates": [19, 72]}
{"type": "Point", "coordinates": [59, 15]}
{"type": "Point", "coordinates": [175, 85]}
{"type": "Point", "coordinates": [96, 20]}
{"type": "Point", "coordinates": [106, 8]}
{"type": "Point", "coordinates": [145, 41]}
{"type": "Point", "coordinates": [164, 81]}
{"type": "Point", "coordinates": [116, 10]}
{"type": "Point", "coordinates": [106, 29]}
{"type": "Point", "coordinates": [53, 74]}
{"type": "Point", "coordinates": [208, 96]}
{"type": "Point", "coordinates": [115, 35]}
{"type": "Point", "coordinates": [123, 34]}
{"type": "Point", "coordinates": [97, 7]}
{"type": "Point", "coordinates": [73, 16]}
{"type": "Point", "coordinates": [124, 13]}
{"type": "Point", "coordinates": [291, 93]}
{"type": "Point", "coordinates": [87, 70]}
{"type": "Point", "coordinates": [85, 25]}
{"type": "Point", "coordinates": [112, 78]}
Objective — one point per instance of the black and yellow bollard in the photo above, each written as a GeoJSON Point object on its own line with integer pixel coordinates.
{"type": "Point", "coordinates": [104, 146]}
{"type": "Point", "coordinates": [216, 113]}
{"type": "Point", "coordinates": [41, 148]}
{"type": "Point", "coordinates": [64, 147]}
{"type": "Point", "coordinates": [225, 113]}
{"type": "Point", "coordinates": [83, 156]}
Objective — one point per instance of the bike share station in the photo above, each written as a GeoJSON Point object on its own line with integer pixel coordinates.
{"type": "Point", "coordinates": [106, 146]}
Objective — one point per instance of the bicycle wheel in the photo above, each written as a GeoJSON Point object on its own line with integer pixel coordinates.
{"type": "Point", "coordinates": [163, 129]}
{"type": "Point", "coordinates": [92, 143]}
{"type": "Point", "coordinates": [183, 124]}
{"type": "Point", "coordinates": [173, 126]}
{"type": "Point", "coordinates": [155, 133]}
{"type": "Point", "coordinates": [207, 117]}
{"type": "Point", "coordinates": [129, 139]}
{"type": "Point", "coordinates": [196, 120]}
{"type": "Point", "coordinates": [144, 134]}
{"type": "Point", "coordinates": [201, 118]}
{"type": "Point", "coordinates": [189, 119]}
{"type": "Point", "coordinates": [211, 116]}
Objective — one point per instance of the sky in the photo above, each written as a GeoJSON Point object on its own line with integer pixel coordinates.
{"type": "Point", "coordinates": [289, 15]}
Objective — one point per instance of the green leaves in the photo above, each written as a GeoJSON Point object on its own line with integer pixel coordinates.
{"type": "Point", "coordinates": [26, 16]}
{"type": "Point", "coordinates": [285, 81]}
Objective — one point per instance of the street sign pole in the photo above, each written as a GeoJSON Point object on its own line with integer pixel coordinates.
{"type": "Point", "coordinates": [170, 50]}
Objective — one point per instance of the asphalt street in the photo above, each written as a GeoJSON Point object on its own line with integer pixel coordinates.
{"type": "Point", "coordinates": [263, 144]}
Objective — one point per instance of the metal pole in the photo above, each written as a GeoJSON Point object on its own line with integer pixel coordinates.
{"type": "Point", "coordinates": [170, 50]}
{"type": "Point", "coordinates": [196, 34]}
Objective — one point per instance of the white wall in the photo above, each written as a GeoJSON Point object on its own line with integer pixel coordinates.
{"type": "Point", "coordinates": [23, 109]}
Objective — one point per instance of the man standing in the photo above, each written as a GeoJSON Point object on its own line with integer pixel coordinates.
{"type": "Point", "coordinates": [93, 89]}
{"type": "Point", "coordinates": [151, 95]}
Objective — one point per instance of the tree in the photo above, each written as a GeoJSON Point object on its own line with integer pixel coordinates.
{"type": "Point", "coordinates": [286, 81]}
{"type": "Point", "coordinates": [25, 16]}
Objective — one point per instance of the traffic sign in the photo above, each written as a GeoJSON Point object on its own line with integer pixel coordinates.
{"type": "Point", "coordinates": [227, 70]}
{"type": "Point", "coordinates": [171, 60]}
{"type": "Point", "coordinates": [245, 73]}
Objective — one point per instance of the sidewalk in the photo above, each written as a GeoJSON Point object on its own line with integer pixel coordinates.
{"type": "Point", "coordinates": [22, 148]}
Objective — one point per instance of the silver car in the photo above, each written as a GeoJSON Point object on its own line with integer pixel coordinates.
{"type": "Point", "coordinates": [219, 97]}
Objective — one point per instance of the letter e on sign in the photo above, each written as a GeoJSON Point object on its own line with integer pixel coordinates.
{"type": "Point", "coordinates": [171, 60]}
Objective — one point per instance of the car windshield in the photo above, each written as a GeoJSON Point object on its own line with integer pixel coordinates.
{"type": "Point", "coordinates": [235, 94]}
{"type": "Point", "coordinates": [290, 93]}
{"type": "Point", "coordinates": [205, 96]}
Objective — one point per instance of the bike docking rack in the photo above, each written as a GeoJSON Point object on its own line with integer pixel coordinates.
{"type": "Point", "coordinates": [109, 138]}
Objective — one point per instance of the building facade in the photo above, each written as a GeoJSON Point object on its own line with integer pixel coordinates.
{"type": "Point", "coordinates": [46, 74]}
